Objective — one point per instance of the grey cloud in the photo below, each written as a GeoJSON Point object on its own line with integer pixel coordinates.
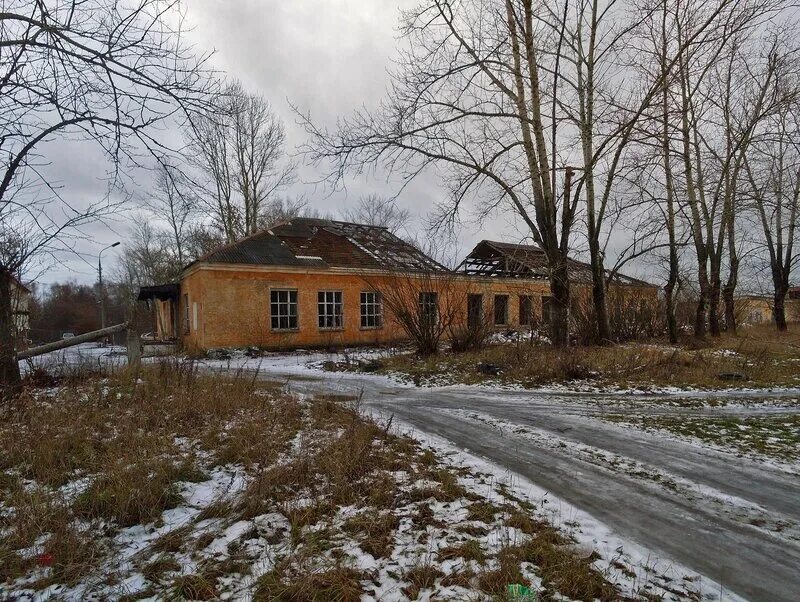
{"type": "Point", "coordinates": [326, 57]}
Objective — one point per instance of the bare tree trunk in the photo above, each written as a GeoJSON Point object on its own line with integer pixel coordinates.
{"type": "Point", "coordinates": [599, 293]}
{"type": "Point", "coordinates": [779, 307]}
{"type": "Point", "coordinates": [674, 267]}
{"type": "Point", "coordinates": [10, 379]}
{"type": "Point", "coordinates": [729, 291]}
{"type": "Point", "coordinates": [702, 309]}
{"type": "Point", "coordinates": [672, 278]}
{"type": "Point", "coordinates": [559, 313]}
{"type": "Point", "coordinates": [669, 294]}
{"type": "Point", "coordinates": [593, 215]}
{"type": "Point", "coordinates": [714, 299]}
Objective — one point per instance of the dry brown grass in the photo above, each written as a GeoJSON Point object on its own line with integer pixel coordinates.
{"type": "Point", "coordinates": [131, 441]}
{"type": "Point", "coordinates": [759, 354]}
{"type": "Point", "coordinates": [343, 467]}
{"type": "Point", "coordinates": [194, 587]}
{"type": "Point", "coordinates": [420, 577]}
{"type": "Point", "coordinates": [131, 494]}
{"type": "Point", "coordinates": [120, 436]}
{"type": "Point", "coordinates": [468, 550]}
{"type": "Point", "coordinates": [172, 542]}
{"type": "Point", "coordinates": [293, 582]}
{"type": "Point", "coordinates": [376, 531]}
{"type": "Point", "coordinates": [482, 511]}
{"type": "Point", "coordinates": [155, 570]}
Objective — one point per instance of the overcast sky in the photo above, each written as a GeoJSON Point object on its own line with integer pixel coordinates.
{"type": "Point", "coordinates": [326, 57]}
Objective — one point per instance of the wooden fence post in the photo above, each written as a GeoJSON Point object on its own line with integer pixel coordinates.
{"type": "Point", "coordinates": [134, 348]}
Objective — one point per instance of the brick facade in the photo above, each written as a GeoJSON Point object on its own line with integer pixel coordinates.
{"type": "Point", "coordinates": [229, 306]}
{"type": "Point", "coordinates": [225, 299]}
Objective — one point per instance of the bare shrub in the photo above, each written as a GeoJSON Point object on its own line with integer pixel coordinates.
{"type": "Point", "coordinates": [632, 316]}
{"type": "Point", "coordinates": [425, 305]}
{"type": "Point", "coordinates": [472, 335]}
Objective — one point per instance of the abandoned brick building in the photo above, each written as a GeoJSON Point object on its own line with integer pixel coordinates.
{"type": "Point", "coordinates": [315, 282]}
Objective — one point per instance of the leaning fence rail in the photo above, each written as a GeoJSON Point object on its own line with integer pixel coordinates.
{"type": "Point", "coordinates": [76, 340]}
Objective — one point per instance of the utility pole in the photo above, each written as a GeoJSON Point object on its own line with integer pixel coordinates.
{"type": "Point", "coordinates": [101, 292]}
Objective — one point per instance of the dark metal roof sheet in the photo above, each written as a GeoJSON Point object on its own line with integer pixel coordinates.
{"type": "Point", "coordinates": [18, 283]}
{"type": "Point", "coordinates": [262, 248]}
{"type": "Point", "coordinates": [159, 291]}
{"type": "Point", "coordinates": [319, 243]}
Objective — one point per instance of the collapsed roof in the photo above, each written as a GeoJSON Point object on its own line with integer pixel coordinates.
{"type": "Point", "coordinates": [505, 260]}
{"type": "Point", "coordinates": [321, 243]}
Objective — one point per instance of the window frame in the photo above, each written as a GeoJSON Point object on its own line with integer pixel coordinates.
{"type": "Point", "coordinates": [288, 315]}
{"type": "Point", "coordinates": [547, 308]}
{"type": "Point", "coordinates": [423, 304]}
{"type": "Point", "coordinates": [325, 303]}
{"type": "Point", "coordinates": [474, 319]}
{"type": "Point", "coordinates": [505, 321]}
{"type": "Point", "coordinates": [377, 314]}
{"type": "Point", "coordinates": [526, 317]}
{"type": "Point", "coordinates": [187, 324]}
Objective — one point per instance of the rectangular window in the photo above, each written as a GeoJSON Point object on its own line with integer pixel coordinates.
{"type": "Point", "coordinates": [173, 325]}
{"type": "Point", "coordinates": [371, 310]}
{"type": "Point", "coordinates": [329, 309]}
{"type": "Point", "coordinates": [429, 307]}
{"type": "Point", "coordinates": [547, 308]}
{"type": "Point", "coordinates": [195, 313]}
{"type": "Point", "coordinates": [501, 310]}
{"type": "Point", "coordinates": [525, 310]}
{"type": "Point", "coordinates": [474, 311]}
{"type": "Point", "coordinates": [185, 313]}
{"type": "Point", "coordinates": [283, 309]}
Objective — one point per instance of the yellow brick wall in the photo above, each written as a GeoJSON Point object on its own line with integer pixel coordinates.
{"type": "Point", "coordinates": [233, 307]}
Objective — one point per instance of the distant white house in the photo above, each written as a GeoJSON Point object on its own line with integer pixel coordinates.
{"type": "Point", "coordinates": [20, 310]}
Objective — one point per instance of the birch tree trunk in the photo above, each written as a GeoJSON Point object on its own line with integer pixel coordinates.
{"type": "Point", "coordinates": [9, 367]}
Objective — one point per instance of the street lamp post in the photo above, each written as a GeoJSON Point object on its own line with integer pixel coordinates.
{"type": "Point", "coordinates": [100, 284]}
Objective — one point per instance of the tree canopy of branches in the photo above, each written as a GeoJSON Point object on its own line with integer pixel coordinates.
{"type": "Point", "coordinates": [470, 96]}
{"type": "Point", "coordinates": [773, 175]}
{"type": "Point", "coordinates": [531, 109]}
{"type": "Point", "coordinates": [103, 72]}
{"type": "Point", "coordinates": [376, 210]}
{"type": "Point", "coordinates": [240, 153]}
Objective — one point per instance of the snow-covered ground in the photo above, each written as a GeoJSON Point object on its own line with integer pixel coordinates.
{"type": "Point", "coordinates": [671, 505]}
{"type": "Point", "coordinates": [663, 499]}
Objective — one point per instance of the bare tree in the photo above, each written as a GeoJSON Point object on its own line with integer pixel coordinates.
{"type": "Point", "coordinates": [174, 204]}
{"type": "Point", "coordinates": [725, 92]}
{"type": "Point", "coordinates": [202, 239]}
{"type": "Point", "coordinates": [471, 96]}
{"type": "Point", "coordinates": [376, 210]}
{"type": "Point", "coordinates": [209, 151]}
{"type": "Point", "coordinates": [280, 210]}
{"type": "Point", "coordinates": [773, 174]}
{"type": "Point", "coordinates": [763, 88]}
{"type": "Point", "coordinates": [602, 111]}
{"type": "Point", "coordinates": [241, 153]}
{"type": "Point", "coordinates": [607, 110]}
{"type": "Point", "coordinates": [148, 258]}
{"type": "Point", "coordinates": [99, 71]}
{"type": "Point", "coordinates": [426, 305]}
{"type": "Point", "coordinates": [258, 148]}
